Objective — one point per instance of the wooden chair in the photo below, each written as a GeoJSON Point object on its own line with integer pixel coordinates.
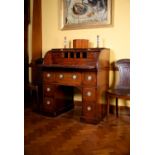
{"type": "Point", "coordinates": [122, 89]}
{"type": "Point", "coordinates": [33, 94]}
{"type": "Point", "coordinates": [33, 90]}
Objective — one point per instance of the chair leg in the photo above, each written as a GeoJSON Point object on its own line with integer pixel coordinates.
{"type": "Point", "coordinates": [116, 106]}
{"type": "Point", "coordinates": [36, 105]}
{"type": "Point", "coordinates": [34, 96]}
{"type": "Point", "coordinates": [107, 98]}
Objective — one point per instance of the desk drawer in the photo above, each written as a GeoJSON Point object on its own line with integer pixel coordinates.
{"type": "Point", "coordinates": [48, 104]}
{"type": "Point", "coordinates": [88, 109]}
{"type": "Point", "coordinates": [89, 78]}
{"type": "Point", "coordinates": [89, 94]}
{"type": "Point", "coordinates": [48, 90]}
{"type": "Point", "coordinates": [68, 78]}
{"type": "Point", "coordinates": [48, 77]}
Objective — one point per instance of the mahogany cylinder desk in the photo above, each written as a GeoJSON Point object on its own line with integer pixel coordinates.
{"type": "Point", "coordinates": [86, 69]}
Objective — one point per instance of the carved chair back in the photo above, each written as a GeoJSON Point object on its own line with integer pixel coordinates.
{"type": "Point", "coordinates": [123, 66]}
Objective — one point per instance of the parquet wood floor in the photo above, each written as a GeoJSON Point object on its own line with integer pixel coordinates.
{"type": "Point", "coordinates": [66, 135]}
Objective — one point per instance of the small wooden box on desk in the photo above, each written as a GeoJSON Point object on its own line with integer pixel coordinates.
{"type": "Point", "coordinates": [84, 68]}
{"type": "Point", "coordinates": [80, 43]}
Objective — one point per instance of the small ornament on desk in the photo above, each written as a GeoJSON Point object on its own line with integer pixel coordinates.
{"type": "Point", "coordinates": [65, 42]}
{"type": "Point", "coordinates": [97, 40]}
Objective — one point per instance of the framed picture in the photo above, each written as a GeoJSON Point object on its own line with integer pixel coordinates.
{"type": "Point", "coordinates": [78, 14]}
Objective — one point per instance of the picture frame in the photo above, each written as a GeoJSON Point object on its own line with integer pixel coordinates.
{"type": "Point", "coordinates": [82, 14]}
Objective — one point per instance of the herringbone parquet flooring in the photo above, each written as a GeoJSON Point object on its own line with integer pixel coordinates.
{"type": "Point", "coordinates": [66, 135]}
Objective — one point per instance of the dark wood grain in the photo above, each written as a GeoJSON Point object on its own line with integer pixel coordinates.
{"type": "Point", "coordinates": [85, 69]}
{"type": "Point", "coordinates": [66, 135]}
{"type": "Point", "coordinates": [122, 89]}
{"type": "Point", "coordinates": [36, 36]}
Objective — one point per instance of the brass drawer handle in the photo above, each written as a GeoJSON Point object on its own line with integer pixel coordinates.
{"type": "Point", "coordinates": [74, 76]}
{"type": "Point", "coordinates": [48, 102]}
{"type": "Point", "coordinates": [89, 77]}
{"type": "Point", "coordinates": [88, 108]}
{"type": "Point", "coordinates": [89, 93]}
{"type": "Point", "coordinates": [48, 75]}
{"type": "Point", "coordinates": [61, 76]}
{"type": "Point", "coordinates": [48, 89]}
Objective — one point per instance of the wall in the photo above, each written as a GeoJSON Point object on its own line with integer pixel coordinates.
{"type": "Point", "coordinates": [115, 37]}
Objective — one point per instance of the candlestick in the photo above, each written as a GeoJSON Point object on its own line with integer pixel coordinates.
{"type": "Point", "coordinates": [97, 41]}
{"type": "Point", "coordinates": [65, 42]}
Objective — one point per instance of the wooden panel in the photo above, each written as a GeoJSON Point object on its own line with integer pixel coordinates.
{"type": "Point", "coordinates": [36, 30]}
{"type": "Point", "coordinates": [48, 104]}
{"type": "Point", "coordinates": [26, 56]}
{"type": "Point", "coordinates": [68, 78]}
{"type": "Point", "coordinates": [80, 43]}
{"type": "Point", "coordinates": [89, 78]}
{"type": "Point", "coordinates": [71, 57]}
{"type": "Point", "coordinates": [48, 90]}
{"type": "Point", "coordinates": [89, 94]}
{"type": "Point", "coordinates": [88, 110]}
{"type": "Point", "coordinates": [48, 77]}
{"type": "Point", "coordinates": [48, 60]}
{"type": "Point", "coordinates": [36, 37]}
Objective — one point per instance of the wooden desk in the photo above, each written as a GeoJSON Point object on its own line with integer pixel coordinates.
{"type": "Point", "coordinates": [85, 69]}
